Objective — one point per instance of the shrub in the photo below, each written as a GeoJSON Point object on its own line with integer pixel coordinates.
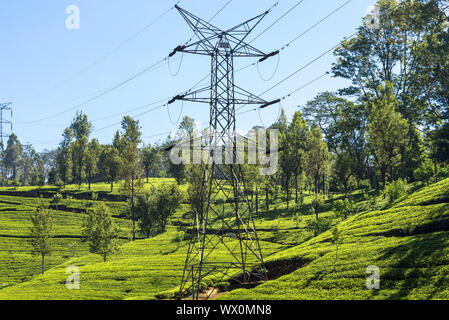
{"type": "Point", "coordinates": [443, 173]}
{"type": "Point", "coordinates": [425, 172]}
{"type": "Point", "coordinates": [56, 200]}
{"type": "Point", "coordinates": [298, 218]}
{"type": "Point", "coordinates": [154, 210]}
{"type": "Point", "coordinates": [59, 184]}
{"type": "Point", "coordinates": [342, 208]}
{"type": "Point", "coordinates": [395, 190]}
{"type": "Point", "coordinates": [317, 202]}
{"type": "Point", "coordinates": [318, 226]}
{"type": "Point", "coordinates": [16, 183]}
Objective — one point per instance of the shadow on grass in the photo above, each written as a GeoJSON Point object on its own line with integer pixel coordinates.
{"type": "Point", "coordinates": [422, 252]}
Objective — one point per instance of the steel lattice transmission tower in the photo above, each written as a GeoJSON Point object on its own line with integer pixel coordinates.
{"type": "Point", "coordinates": [226, 228]}
{"type": "Point", "coordinates": [4, 107]}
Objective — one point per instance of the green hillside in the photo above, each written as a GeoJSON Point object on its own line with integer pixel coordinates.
{"type": "Point", "coordinates": [408, 242]}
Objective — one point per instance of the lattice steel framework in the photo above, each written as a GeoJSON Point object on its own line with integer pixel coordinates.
{"type": "Point", "coordinates": [4, 107]}
{"type": "Point", "coordinates": [227, 229]}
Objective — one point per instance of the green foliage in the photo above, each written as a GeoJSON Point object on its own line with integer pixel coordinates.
{"type": "Point", "coordinates": [56, 200]}
{"type": "Point", "coordinates": [298, 219]}
{"type": "Point", "coordinates": [196, 192]}
{"type": "Point", "coordinates": [317, 202]}
{"type": "Point", "coordinates": [443, 173]}
{"type": "Point", "coordinates": [81, 129]}
{"type": "Point", "coordinates": [151, 159]}
{"type": "Point", "coordinates": [395, 190]}
{"type": "Point", "coordinates": [100, 232]}
{"type": "Point", "coordinates": [16, 183]}
{"type": "Point", "coordinates": [42, 233]}
{"type": "Point", "coordinates": [387, 130]}
{"type": "Point", "coordinates": [425, 172]}
{"type": "Point", "coordinates": [343, 208]}
{"type": "Point", "coordinates": [154, 210]}
{"type": "Point", "coordinates": [109, 164]}
{"type": "Point", "coordinates": [320, 225]}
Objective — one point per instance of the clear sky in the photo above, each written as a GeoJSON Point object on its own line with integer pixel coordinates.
{"type": "Point", "coordinates": [46, 68]}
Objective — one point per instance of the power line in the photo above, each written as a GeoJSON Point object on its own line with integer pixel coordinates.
{"type": "Point", "coordinates": [118, 85]}
{"type": "Point", "coordinates": [300, 35]}
{"type": "Point", "coordinates": [99, 95]}
{"type": "Point", "coordinates": [321, 55]}
{"type": "Point", "coordinates": [115, 49]}
{"type": "Point", "coordinates": [279, 19]}
{"type": "Point", "coordinates": [306, 65]}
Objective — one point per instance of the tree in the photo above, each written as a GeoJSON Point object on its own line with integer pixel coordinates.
{"type": "Point", "coordinates": [186, 127]}
{"type": "Point", "coordinates": [318, 157]}
{"type": "Point", "coordinates": [298, 135]}
{"type": "Point", "coordinates": [150, 159]}
{"type": "Point", "coordinates": [100, 232]}
{"type": "Point", "coordinates": [81, 129]}
{"type": "Point", "coordinates": [197, 190]}
{"type": "Point", "coordinates": [64, 157]}
{"type": "Point", "coordinates": [42, 241]}
{"type": "Point", "coordinates": [342, 208]}
{"type": "Point", "coordinates": [12, 155]}
{"type": "Point", "coordinates": [343, 124]}
{"type": "Point", "coordinates": [387, 131]}
{"type": "Point", "coordinates": [93, 152]}
{"type": "Point", "coordinates": [109, 164]}
{"type": "Point", "coordinates": [155, 209]}
{"type": "Point", "coordinates": [336, 239]}
{"type": "Point", "coordinates": [343, 171]}
{"type": "Point", "coordinates": [56, 200]}
{"type": "Point", "coordinates": [286, 163]}
{"type": "Point", "coordinates": [131, 166]}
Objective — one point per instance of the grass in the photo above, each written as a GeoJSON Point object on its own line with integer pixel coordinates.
{"type": "Point", "coordinates": [16, 262]}
{"type": "Point", "coordinates": [144, 268]}
{"type": "Point", "coordinates": [408, 241]}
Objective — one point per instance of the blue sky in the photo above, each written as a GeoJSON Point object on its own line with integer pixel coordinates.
{"type": "Point", "coordinates": [40, 56]}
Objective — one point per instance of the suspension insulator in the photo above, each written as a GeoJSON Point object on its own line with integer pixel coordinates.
{"type": "Point", "coordinates": [177, 49]}
{"type": "Point", "coordinates": [178, 97]}
{"type": "Point", "coordinates": [169, 148]}
{"type": "Point", "coordinates": [270, 103]}
{"type": "Point", "coordinates": [272, 54]}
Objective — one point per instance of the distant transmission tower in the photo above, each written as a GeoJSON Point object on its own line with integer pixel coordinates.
{"type": "Point", "coordinates": [4, 107]}
{"type": "Point", "coordinates": [224, 240]}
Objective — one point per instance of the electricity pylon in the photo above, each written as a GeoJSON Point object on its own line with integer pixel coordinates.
{"type": "Point", "coordinates": [228, 229]}
{"type": "Point", "coordinates": [4, 107]}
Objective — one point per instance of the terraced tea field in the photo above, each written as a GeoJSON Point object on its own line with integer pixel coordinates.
{"type": "Point", "coordinates": [408, 241]}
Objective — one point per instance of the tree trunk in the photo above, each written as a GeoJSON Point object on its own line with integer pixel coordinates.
{"type": "Point", "coordinates": [267, 199]}
{"type": "Point", "coordinates": [296, 190]}
{"type": "Point", "coordinates": [257, 201]}
{"type": "Point", "coordinates": [132, 209]}
{"type": "Point", "coordinates": [346, 190]}
{"type": "Point", "coordinates": [43, 264]}
{"type": "Point", "coordinates": [288, 192]}
{"type": "Point", "coordinates": [148, 175]}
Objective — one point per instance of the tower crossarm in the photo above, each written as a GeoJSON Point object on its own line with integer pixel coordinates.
{"type": "Point", "coordinates": [241, 97]}
{"type": "Point", "coordinates": [212, 39]}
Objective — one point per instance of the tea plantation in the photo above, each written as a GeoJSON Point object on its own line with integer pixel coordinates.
{"type": "Point", "coordinates": [408, 241]}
